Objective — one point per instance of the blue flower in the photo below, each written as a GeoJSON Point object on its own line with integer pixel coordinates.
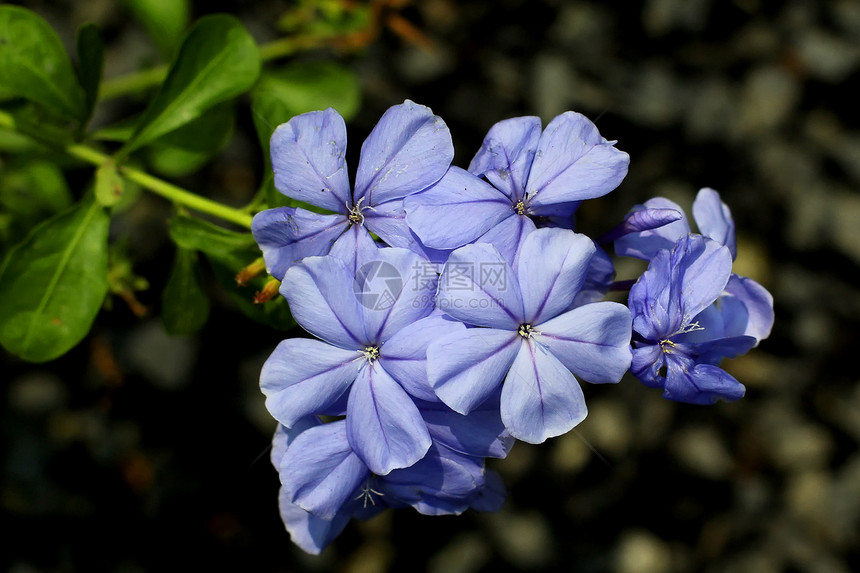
{"type": "Point", "coordinates": [745, 308]}
{"type": "Point", "coordinates": [677, 344]}
{"type": "Point", "coordinates": [369, 359]}
{"type": "Point", "coordinates": [531, 174]}
{"type": "Point", "coordinates": [409, 150]}
{"type": "Point", "coordinates": [325, 483]}
{"type": "Point", "coordinates": [529, 339]}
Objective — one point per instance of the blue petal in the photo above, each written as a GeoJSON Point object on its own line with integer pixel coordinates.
{"type": "Point", "coordinates": [478, 287]}
{"type": "Point", "coordinates": [508, 235]}
{"type": "Point", "coordinates": [310, 533]}
{"type": "Point", "coordinates": [396, 289]}
{"type": "Point", "coordinates": [700, 384]}
{"type": "Point", "coordinates": [286, 235]}
{"type": "Point", "coordinates": [481, 433]}
{"type": "Point", "coordinates": [466, 367]}
{"type": "Point", "coordinates": [640, 219]}
{"type": "Point", "coordinates": [551, 271]}
{"type": "Point", "coordinates": [457, 210]}
{"type": "Point", "coordinates": [322, 300]}
{"type": "Point", "coordinates": [573, 162]}
{"type": "Point", "coordinates": [384, 426]}
{"type": "Point", "coordinates": [320, 472]}
{"type": "Point", "coordinates": [714, 219]}
{"type": "Point", "coordinates": [304, 376]}
{"type": "Point", "coordinates": [388, 221]}
{"type": "Point", "coordinates": [409, 150]}
{"type": "Point", "coordinates": [491, 496]}
{"type": "Point", "coordinates": [308, 159]}
{"type": "Point", "coordinates": [507, 153]}
{"type": "Point", "coordinates": [598, 279]}
{"type": "Point", "coordinates": [440, 484]}
{"type": "Point", "coordinates": [705, 267]}
{"type": "Point", "coordinates": [284, 436]}
{"type": "Point", "coordinates": [758, 303]}
{"type": "Point", "coordinates": [404, 355]}
{"type": "Point", "coordinates": [592, 341]}
{"type": "Point", "coordinates": [354, 247]}
{"type": "Point", "coordinates": [648, 360]}
{"type": "Point", "coordinates": [645, 244]}
{"type": "Point", "coordinates": [713, 351]}
{"type": "Point", "coordinates": [678, 285]}
{"type": "Point", "coordinates": [540, 397]}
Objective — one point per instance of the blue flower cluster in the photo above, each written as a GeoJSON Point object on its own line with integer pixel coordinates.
{"type": "Point", "coordinates": [456, 310]}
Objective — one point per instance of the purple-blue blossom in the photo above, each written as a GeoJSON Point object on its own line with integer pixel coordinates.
{"type": "Point", "coordinates": [530, 175]}
{"type": "Point", "coordinates": [409, 150]}
{"type": "Point", "coordinates": [745, 307]}
{"type": "Point", "coordinates": [324, 483]}
{"type": "Point", "coordinates": [526, 336]}
{"type": "Point", "coordinates": [677, 342]}
{"type": "Point", "coordinates": [364, 366]}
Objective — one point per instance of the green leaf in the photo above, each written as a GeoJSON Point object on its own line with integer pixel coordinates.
{"type": "Point", "coordinates": [299, 88]}
{"type": "Point", "coordinates": [164, 20]}
{"type": "Point", "coordinates": [91, 52]}
{"type": "Point", "coordinates": [109, 184]}
{"type": "Point", "coordinates": [217, 61]}
{"type": "Point", "coordinates": [34, 188]}
{"type": "Point", "coordinates": [53, 284]}
{"type": "Point", "coordinates": [200, 235]}
{"type": "Point", "coordinates": [208, 133]}
{"type": "Point", "coordinates": [174, 161]}
{"type": "Point", "coordinates": [30, 191]}
{"type": "Point", "coordinates": [185, 307]}
{"type": "Point", "coordinates": [34, 65]}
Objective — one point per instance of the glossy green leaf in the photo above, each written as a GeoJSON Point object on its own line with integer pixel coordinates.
{"type": "Point", "coordinates": [217, 61]}
{"type": "Point", "coordinates": [200, 235]}
{"type": "Point", "coordinates": [109, 184]}
{"type": "Point", "coordinates": [185, 307]}
{"type": "Point", "coordinates": [91, 52]}
{"type": "Point", "coordinates": [53, 284]}
{"type": "Point", "coordinates": [299, 88]}
{"type": "Point", "coordinates": [34, 65]}
{"type": "Point", "coordinates": [164, 20]}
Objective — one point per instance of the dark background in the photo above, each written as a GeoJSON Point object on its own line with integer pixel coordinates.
{"type": "Point", "coordinates": [141, 452]}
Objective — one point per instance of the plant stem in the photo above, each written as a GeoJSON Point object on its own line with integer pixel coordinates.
{"type": "Point", "coordinates": [183, 197]}
{"type": "Point", "coordinates": [154, 184]}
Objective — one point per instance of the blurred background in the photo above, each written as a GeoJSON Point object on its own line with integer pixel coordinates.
{"type": "Point", "coordinates": [138, 451]}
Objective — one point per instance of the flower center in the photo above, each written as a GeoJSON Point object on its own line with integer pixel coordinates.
{"type": "Point", "coordinates": [526, 330]}
{"type": "Point", "coordinates": [366, 493]}
{"type": "Point", "coordinates": [370, 353]}
{"type": "Point", "coordinates": [520, 207]}
{"type": "Point", "coordinates": [356, 217]}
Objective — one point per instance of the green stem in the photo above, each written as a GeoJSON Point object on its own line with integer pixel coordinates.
{"type": "Point", "coordinates": [153, 184]}
{"type": "Point", "coordinates": [187, 198]}
{"type": "Point", "coordinates": [145, 79]}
